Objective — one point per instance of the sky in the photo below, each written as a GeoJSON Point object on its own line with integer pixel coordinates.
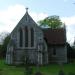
{"type": "Point", "coordinates": [11, 11]}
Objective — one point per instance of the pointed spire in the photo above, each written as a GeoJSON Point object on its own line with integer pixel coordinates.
{"type": "Point", "coordinates": [26, 9]}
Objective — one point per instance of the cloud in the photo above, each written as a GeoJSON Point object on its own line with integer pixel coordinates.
{"type": "Point", "coordinates": [69, 20]}
{"type": "Point", "coordinates": [38, 16]}
{"type": "Point", "coordinates": [70, 25]}
{"type": "Point", "coordinates": [70, 33]}
{"type": "Point", "coordinates": [11, 16]}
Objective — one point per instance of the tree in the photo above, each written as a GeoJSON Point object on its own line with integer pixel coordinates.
{"type": "Point", "coordinates": [1, 49]}
{"type": "Point", "coordinates": [70, 53]}
{"type": "Point", "coordinates": [3, 35]}
{"type": "Point", "coordinates": [51, 21]}
{"type": "Point", "coordinates": [5, 43]}
{"type": "Point", "coordinates": [3, 46]}
{"type": "Point", "coordinates": [4, 39]}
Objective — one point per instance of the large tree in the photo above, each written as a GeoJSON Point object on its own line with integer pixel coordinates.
{"type": "Point", "coordinates": [5, 43]}
{"type": "Point", "coordinates": [70, 53]}
{"type": "Point", "coordinates": [51, 21]}
{"type": "Point", "coordinates": [4, 39]}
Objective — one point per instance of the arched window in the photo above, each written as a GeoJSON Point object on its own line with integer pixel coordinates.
{"type": "Point", "coordinates": [26, 36]}
{"type": "Point", "coordinates": [21, 38]}
{"type": "Point", "coordinates": [32, 37]}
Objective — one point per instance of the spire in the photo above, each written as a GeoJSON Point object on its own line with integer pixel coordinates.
{"type": "Point", "coordinates": [27, 10]}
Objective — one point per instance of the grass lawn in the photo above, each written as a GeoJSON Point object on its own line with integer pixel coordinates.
{"type": "Point", "coordinates": [51, 69]}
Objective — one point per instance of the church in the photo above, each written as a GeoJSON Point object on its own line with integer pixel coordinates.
{"type": "Point", "coordinates": [38, 45]}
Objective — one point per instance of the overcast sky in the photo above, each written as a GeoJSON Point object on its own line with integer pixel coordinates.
{"type": "Point", "coordinates": [11, 11]}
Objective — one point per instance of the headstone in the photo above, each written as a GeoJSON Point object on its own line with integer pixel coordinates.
{"type": "Point", "coordinates": [61, 72]}
{"type": "Point", "coordinates": [38, 73]}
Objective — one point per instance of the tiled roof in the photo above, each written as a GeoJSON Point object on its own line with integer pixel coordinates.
{"type": "Point", "coordinates": [55, 36]}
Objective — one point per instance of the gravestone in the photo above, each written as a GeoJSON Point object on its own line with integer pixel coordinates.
{"type": "Point", "coordinates": [61, 72]}
{"type": "Point", "coordinates": [38, 73]}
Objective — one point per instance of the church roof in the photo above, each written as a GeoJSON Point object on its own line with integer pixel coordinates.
{"type": "Point", "coordinates": [55, 36]}
{"type": "Point", "coordinates": [25, 20]}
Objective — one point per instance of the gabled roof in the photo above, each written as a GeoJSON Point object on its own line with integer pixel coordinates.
{"type": "Point", "coordinates": [55, 36]}
{"type": "Point", "coordinates": [25, 20]}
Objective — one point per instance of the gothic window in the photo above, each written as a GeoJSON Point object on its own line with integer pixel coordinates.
{"type": "Point", "coordinates": [21, 38]}
{"type": "Point", "coordinates": [26, 36]}
{"type": "Point", "coordinates": [32, 37]}
{"type": "Point", "coordinates": [26, 18]}
{"type": "Point", "coordinates": [54, 51]}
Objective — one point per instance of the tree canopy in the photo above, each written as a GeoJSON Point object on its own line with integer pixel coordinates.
{"type": "Point", "coordinates": [3, 45]}
{"type": "Point", "coordinates": [51, 21]}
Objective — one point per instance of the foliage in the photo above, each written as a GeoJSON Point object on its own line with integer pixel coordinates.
{"type": "Point", "coordinates": [70, 53]}
{"type": "Point", "coordinates": [4, 46]}
{"type": "Point", "coordinates": [51, 21]}
{"type": "Point", "coordinates": [2, 36]}
{"type": "Point", "coordinates": [4, 39]}
{"type": "Point", "coordinates": [1, 49]}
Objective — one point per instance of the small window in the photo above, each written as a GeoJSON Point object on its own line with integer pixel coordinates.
{"type": "Point", "coordinates": [54, 51]}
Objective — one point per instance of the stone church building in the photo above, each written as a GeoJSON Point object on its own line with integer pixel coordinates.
{"type": "Point", "coordinates": [38, 45]}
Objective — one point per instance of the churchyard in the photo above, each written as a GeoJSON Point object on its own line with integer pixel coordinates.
{"type": "Point", "coordinates": [52, 69]}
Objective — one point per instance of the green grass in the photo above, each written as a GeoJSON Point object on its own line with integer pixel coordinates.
{"type": "Point", "coordinates": [10, 70]}
{"type": "Point", "coordinates": [51, 69]}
